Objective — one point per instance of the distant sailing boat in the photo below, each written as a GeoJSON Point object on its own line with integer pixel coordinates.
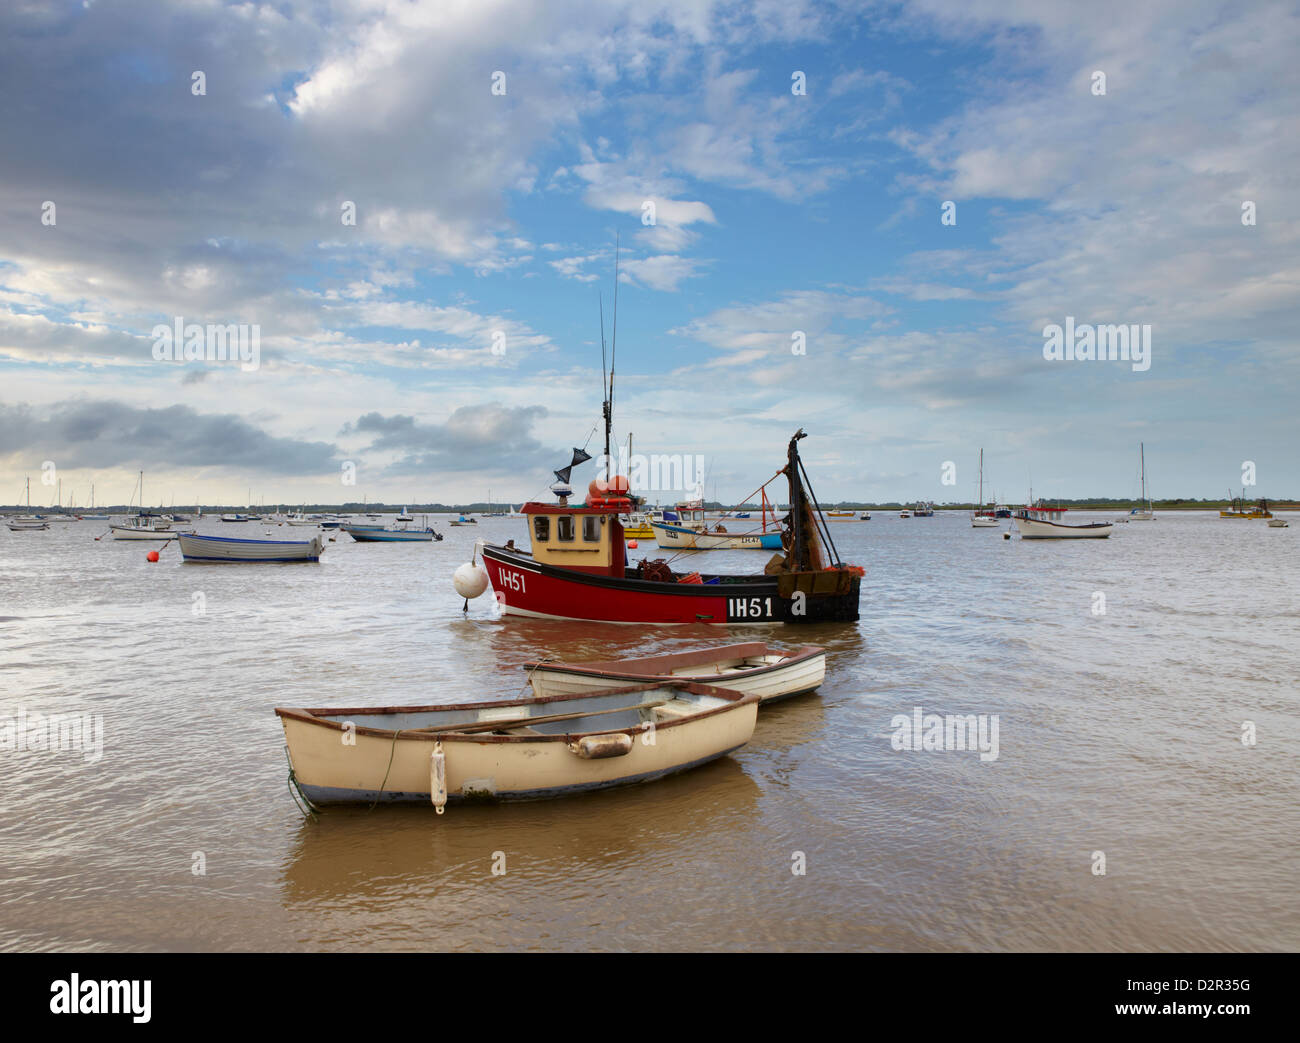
{"type": "Point", "coordinates": [983, 517]}
{"type": "Point", "coordinates": [143, 526]}
{"type": "Point", "coordinates": [28, 522]}
{"type": "Point", "coordinates": [57, 515]}
{"type": "Point", "coordinates": [93, 517]}
{"type": "Point", "coordinates": [1140, 512]}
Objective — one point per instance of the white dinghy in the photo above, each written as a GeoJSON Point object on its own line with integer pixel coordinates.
{"type": "Point", "coordinates": [754, 667]}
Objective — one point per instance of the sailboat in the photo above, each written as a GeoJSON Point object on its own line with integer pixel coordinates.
{"type": "Point", "coordinates": [143, 525]}
{"type": "Point", "coordinates": [27, 522]}
{"type": "Point", "coordinates": [1140, 512]}
{"type": "Point", "coordinates": [93, 517]}
{"type": "Point", "coordinates": [57, 514]}
{"type": "Point", "coordinates": [983, 517]}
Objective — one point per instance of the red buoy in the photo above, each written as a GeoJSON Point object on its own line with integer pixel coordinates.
{"type": "Point", "coordinates": [615, 486]}
{"type": "Point", "coordinates": [151, 556]}
{"type": "Point", "coordinates": [632, 544]}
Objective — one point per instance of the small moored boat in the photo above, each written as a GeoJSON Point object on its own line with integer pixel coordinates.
{"type": "Point", "coordinates": [754, 667]}
{"type": "Point", "coordinates": [1041, 522]}
{"type": "Point", "coordinates": [223, 549]}
{"type": "Point", "coordinates": [380, 534]}
{"type": "Point", "coordinates": [519, 749]}
{"type": "Point", "coordinates": [144, 527]}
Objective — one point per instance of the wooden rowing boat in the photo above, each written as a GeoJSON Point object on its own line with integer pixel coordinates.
{"type": "Point", "coordinates": [751, 668]}
{"type": "Point", "coordinates": [518, 749]}
{"type": "Point", "coordinates": [214, 549]}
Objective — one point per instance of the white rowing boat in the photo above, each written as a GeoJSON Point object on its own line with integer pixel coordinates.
{"type": "Point", "coordinates": [751, 668]}
{"type": "Point", "coordinates": [222, 549]}
{"type": "Point", "coordinates": [519, 749]}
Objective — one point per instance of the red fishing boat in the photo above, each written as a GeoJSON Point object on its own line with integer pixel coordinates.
{"type": "Point", "coordinates": [578, 568]}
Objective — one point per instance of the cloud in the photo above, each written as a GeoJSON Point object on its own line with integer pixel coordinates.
{"type": "Point", "coordinates": [479, 438]}
{"type": "Point", "coordinates": [105, 433]}
{"type": "Point", "coordinates": [663, 272]}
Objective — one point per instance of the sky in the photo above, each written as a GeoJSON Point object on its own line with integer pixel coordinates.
{"type": "Point", "coordinates": [860, 219]}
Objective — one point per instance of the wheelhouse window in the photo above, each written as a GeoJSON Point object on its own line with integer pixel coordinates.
{"type": "Point", "coordinates": [564, 528]}
{"type": "Point", "coordinates": [541, 528]}
{"type": "Point", "coordinates": [591, 528]}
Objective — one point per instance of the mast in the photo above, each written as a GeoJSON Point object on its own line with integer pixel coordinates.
{"type": "Point", "coordinates": [1143, 450]}
{"type": "Point", "coordinates": [613, 351]}
{"type": "Point", "coordinates": [981, 503]}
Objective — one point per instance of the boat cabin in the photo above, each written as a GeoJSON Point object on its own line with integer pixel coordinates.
{"type": "Point", "coordinates": [1041, 512]}
{"type": "Point", "coordinates": [588, 537]}
{"type": "Point", "coordinates": [689, 515]}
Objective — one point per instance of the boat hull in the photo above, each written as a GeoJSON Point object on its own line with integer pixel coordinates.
{"type": "Point", "coordinates": [130, 532]}
{"type": "Point", "coordinates": [525, 587]}
{"type": "Point", "coordinates": [780, 675]}
{"type": "Point", "coordinates": [1033, 529]}
{"type": "Point", "coordinates": [676, 537]}
{"type": "Point", "coordinates": [368, 535]}
{"type": "Point", "coordinates": [220, 550]}
{"type": "Point", "coordinates": [380, 759]}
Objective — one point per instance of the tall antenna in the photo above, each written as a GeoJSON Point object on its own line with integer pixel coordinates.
{"type": "Point", "coordinates": [613, 351]}
{"type": "Point", "coordinates": [604, 384]}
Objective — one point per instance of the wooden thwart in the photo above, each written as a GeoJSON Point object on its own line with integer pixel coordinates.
{"type": "Point", "coordinates": [519, 722]}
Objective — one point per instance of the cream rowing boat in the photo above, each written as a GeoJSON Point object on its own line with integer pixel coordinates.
{"type": "Point", "coordinates": [519, 749]}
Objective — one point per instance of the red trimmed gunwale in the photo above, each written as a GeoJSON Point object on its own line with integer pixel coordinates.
{"type": "Point", "coordinates": [613, 507]}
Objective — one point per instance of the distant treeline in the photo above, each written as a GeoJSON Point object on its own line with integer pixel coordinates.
{"type": "Point", "coordinates": [1098, 503]}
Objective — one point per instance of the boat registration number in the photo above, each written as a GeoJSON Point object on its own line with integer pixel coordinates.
{"type": "Point", "coordinates": [749, 608]}
{"type": "Point", "coordinates": [513, 580]}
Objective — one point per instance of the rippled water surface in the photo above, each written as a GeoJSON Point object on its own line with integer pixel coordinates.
{"type": "Point", "coordinates": [1119, 733]}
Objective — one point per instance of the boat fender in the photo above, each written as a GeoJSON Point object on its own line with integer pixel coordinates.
{"type": "Point", "coordinates": [598, 747]}
{"type": "Point", "coordinates": [438, 778]}
{"type": "Point", "coordinates": [470, 580]}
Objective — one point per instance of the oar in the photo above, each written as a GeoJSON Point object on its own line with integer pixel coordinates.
{"type": "Point", "coordinates": [520, 722]}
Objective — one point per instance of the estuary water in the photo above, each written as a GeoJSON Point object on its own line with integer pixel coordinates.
{"type": "Point", "coordinates": [1123, 810]}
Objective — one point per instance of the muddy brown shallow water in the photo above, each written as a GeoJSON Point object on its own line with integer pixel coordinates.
{"type": "Point", "coordinates": [1118, 733]}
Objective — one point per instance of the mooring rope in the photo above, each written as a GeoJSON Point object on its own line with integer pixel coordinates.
{"type": "Point", "coordinates": [391, 750]}
{"type": "Point", "coordinates": [308, 809]}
